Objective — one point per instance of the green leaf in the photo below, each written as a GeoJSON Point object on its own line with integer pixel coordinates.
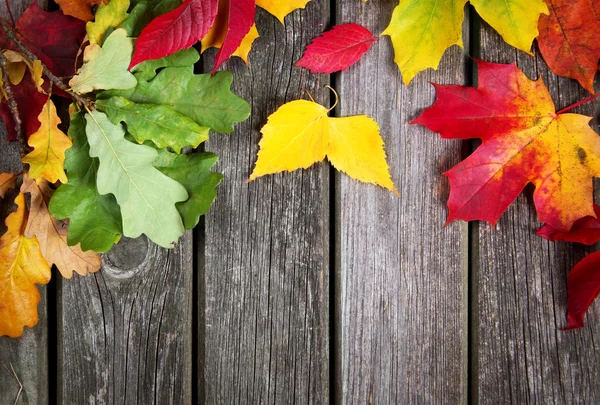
{"type": "Point", "coordinates": [193, 172]}
{"type": "Point", "coordinates": [160, 124]}
{"type": "Point", "coordinates": [95, 220]}
{"type": "Point", "coordinates": [160, 7]}
{"type": "Point", "coordinates": [146, 196]}
{"type": "Point", "coordinates": [109, 15]}
{"type": "Point", "coordinates": [146, 70]}
{"type": "Point", "coordinates": [106, 67]}
{"type": "Point", "coordinates": [206, 99]}
{"type": "Point", "coordinates": [139, 17]}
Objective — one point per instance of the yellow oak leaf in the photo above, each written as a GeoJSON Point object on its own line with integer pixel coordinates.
{"type": "Point", "coordinates": [281, 8]}
{"type": "Point", "coordinates": [422, 30]}
{"type": "Point", "coordinates": [46, 161]}
{"type": "Point", "coordinates": [107, 16]}
{"type": "Point", "coordinates": [17, 65]}
{"type": "Point", "coordinates": [22, 266]}
{"type": "Point", "coordinates": [52, 234]}
{"type": "Point", "coordinates": [215, 37]}
{"type": "Point", "coordinates": [301, 133]}
{"type": "Point", "coordinates": [8, 181]}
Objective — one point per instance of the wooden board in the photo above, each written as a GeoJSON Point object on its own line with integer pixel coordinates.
{"type": "Point", "coordinates": [520, 355]}
{"type": "Point", "coordinates": [28, 354]}
{"type": "Point", "coordinates": [401, 277]}
{"type": "Point", "coordinates": [265, 258]}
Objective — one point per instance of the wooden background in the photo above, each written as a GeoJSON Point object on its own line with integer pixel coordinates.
{"type": "Point", "coordinates": [311, 288]}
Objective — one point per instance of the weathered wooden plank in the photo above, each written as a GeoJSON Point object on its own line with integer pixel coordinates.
{"type": "Point", "coordinates": [125, 332]}
{"type": "Point", "coordinates": [520, 355]}
{"type": "Point", "coordinates": [29, 353]}
{"type": "Point", "coordinates": [265, 267]}
{"type": "Point", "coordinates": [401, 277]}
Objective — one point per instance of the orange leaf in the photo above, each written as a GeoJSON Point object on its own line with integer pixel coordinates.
{"type": "Point", "coordinates": [81, 9]}
{"type": "Point", "coordinates": [52, 234]}
{"type": "Point", "coordinates": [8, 181]}
{"type": "Point", "coordinates": [21, 267]}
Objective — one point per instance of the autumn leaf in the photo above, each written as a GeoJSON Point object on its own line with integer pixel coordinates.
{"type": "Point", "coordinates": [52, 234]}
{"type": "Point", "coordinates": [233, 31]}
{"type": "Point", "coordinates": [18, 63]}
{"type": "Point", "coordinates": [337, 49]}
{"type": "Point", "coordinates": [8, 181]}
{"type": "Point", "coordinates": [421, 30]}
{"type": "Point", "coordinates": [94, 219]}
{"type": "Point", "coordinates": [585, 230]}
{"type": "Point", "coordinates": [22, 266]}
{"type": "Point", "coordinates": [109, 15]}
{"type": "Point", "coordinates": [281, 8]}
{"type": "Point", "coordinates": [193, 172]}
{"type": "Point", "coordinates": [106, 67]}
{"type": "Point", "coordinates": [176, 30]}
{"type": "Point", "coordinates": [300, 134]}
{"type": "Point", "coordinates": [569, 41]}
{"type": "Point", "coordinates": [159, 7]}
{"type": "Point", "coordinates": [46, 161]}
{"type": "Point", "coordinates": [524, 141]}
{"type": "Point", "coordinates": [583, 286]}
{"type": "Point", "coordinates": [157, 123]}
{"type": "Point", "coordinates": [81, 9]}
{"type": "Point", "coordinates": [25, 94]}
{"type": "Point", "coordinates": [146, 196]}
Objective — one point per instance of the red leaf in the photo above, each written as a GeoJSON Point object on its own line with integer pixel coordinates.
{"type": "Point", "coordinates": [30, 103]}
{"type": "Point", "coordinates": [53, 37]}
{"type": "Point", "coordinates": [585, 230]}
{"type": "Point", "coordinates": [569, 40]}
{"type": "Point", "coordinates": [583, 288]}
{"type": "Point", "coordinates": [176, 30]}
{"type": "Point", "coordinates": [337, 49]}
{"type": "Point", "coordinates": [240, 20]}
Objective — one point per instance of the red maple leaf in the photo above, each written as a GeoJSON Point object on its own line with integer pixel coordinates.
{"type": "Point", "coordinates": [585, 230]}
{"type": "Point", "coordinates": [30, 103]}
{"type": "Point", "coordinates": [337, 49]}
{"type": "Point", "coordinates": [583, 286]}
{"type": "Point", "coordinates": [176, 30]}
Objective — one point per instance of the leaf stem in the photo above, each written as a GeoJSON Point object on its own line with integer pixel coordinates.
{"type": "Point", "coordinates": [12, 105]}
{"type": "Point", "coordinates": [585, 100]}
{"type": "Point", "coordinates": [13, 37]}
{"type": "Point", "coordinates": [337, 98]}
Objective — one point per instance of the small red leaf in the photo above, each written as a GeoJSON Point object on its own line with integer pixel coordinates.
{"type": "Point", "coordinates": [337, 49]}
{"type": "Point", "coordinates": [585, 230]}
{"type": "Point", "coordinates": [176, 30]}
{"type": "Point", "coordinates": [240, 20]}
{"type": "Point", "coordinates": [583, 288]}
{"type": "Point", "coordinates": [30, 103]}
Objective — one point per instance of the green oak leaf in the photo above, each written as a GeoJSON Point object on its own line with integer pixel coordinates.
{"type": "Point", "coordinates": [139, 17]}
{"type": "Point", "coordinates": [206, 99]}
{"type": "Point", "coordinates": [160, 124]}
{"type": "Point", "coordinates": [94, 219]}
{"type": "Point", "coordinates": [193, 172]}
{"type": "Point", "coordinates": [147, 197]}
{"type": "Point", "coordinates": [146, 70]}
{"type": "Point", "coordinates": [160, 7]}
{"type": "Point", "coordinates": [106, 67]}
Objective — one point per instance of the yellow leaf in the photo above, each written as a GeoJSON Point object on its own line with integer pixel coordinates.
{"type": "Point", "coordinates": [8, 181]}
{"type": "Point", "coordinates": [107, 16]}
{"type": "Point", "coordinates": [46, 161]}
{"type": "Point", "coordinates": [216, 36]}
{"type": "Point", "coordinates": [421, 30]}
{"type": "Point", "coordinates": [21, 267]}
{"type": "Point", "coordinates": [16, 72]}
{"type": "Point", "coordinates": [52, 234]}
{"type": "Point", "coordinates": [18, 62]}
{"type": "Point", "coordinates": [300, 133]}
{"type": "Point", "coordinates": [281, 8]}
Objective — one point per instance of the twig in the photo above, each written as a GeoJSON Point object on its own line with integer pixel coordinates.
{"type": "Point", "coordinates": [16, 377]}
{"type": "Point", "coordinates": [57, 82]}
{"type": "Point", "coordinates": [12, 18]}
{"type": "Point", "coordinates": [12, 105]}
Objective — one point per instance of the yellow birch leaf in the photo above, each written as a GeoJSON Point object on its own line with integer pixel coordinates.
{"type": "Point", "coordinates": [215, 37]}
{"type": "Point", "coordinates": [8, 181]}
{"type": "Point", "coordinates": [52, 234]}
{"type": "Point", "coordinates": [300, 133]}
{"type": "Point", "coordinates": [46, 161]}
{"type": "Point", "coordinates": [22, 266]}
{"type": "Point", "coordinates": [107, 16]}
{"type": "Point", "coordinates": [281, 8]}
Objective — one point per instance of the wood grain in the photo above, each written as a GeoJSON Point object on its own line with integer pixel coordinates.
{"type": "Point", "coordinates": [265, 257]}
{"type": "Point", "coordinates": [401, 276]}
{"type": "Point", "coordinates": [520, 355]}
{"type": "Point", "coordinates": [29, 353]}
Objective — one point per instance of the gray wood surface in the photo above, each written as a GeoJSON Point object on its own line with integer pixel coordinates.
{"type": "Point", "coordinates": [520, 355]}
{"type": "Point", "coordinates": [29, 353]}
{"type": "Point", "coordinates": [265, 258]}
{"type": "Point", "coordinates": [401, 277]}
